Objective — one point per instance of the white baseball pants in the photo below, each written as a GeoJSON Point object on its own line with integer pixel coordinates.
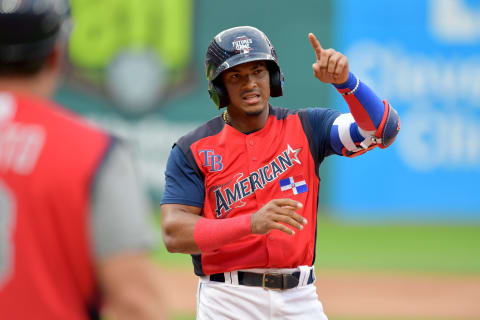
{"type": "Point", "coordinates": [227, 300]}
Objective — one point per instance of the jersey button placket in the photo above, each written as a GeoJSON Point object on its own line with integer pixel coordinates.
{"type": "Point", "coordinates": [251, 149]}
{"type": "Point", "coordinates": [252, 160]}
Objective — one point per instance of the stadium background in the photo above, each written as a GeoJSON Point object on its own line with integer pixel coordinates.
{"type": "Point", "coordinates": [411, 212]}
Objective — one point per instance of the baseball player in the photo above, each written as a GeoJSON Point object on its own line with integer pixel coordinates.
{"type": "Point", "coordinates": [242, 189]}
{"type": "Point", "coordinates": [74, 222]}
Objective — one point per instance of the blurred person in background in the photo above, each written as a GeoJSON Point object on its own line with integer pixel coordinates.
{"type": "Point", "coordinates": [242, 190]}
{"type": "Point", "coordinates": [75, 228]}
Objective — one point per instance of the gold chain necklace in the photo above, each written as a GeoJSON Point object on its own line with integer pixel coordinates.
{"type": "Point", "coordinates": [226, 117]}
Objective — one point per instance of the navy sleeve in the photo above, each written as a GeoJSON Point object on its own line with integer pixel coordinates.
{"type": "Point", "coordinates": [182, 184]}
{"type": "Point", "coordinates": [321, 120]}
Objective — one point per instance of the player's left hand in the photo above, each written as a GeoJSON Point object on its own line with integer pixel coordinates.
{"type": "Point", "coordinates": [331, 65]}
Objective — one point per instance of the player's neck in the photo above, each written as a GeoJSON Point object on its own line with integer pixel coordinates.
{"type": "Point", "coordinates": [246, 122]}
{"type": "Point", "coordinates": [37, 85]}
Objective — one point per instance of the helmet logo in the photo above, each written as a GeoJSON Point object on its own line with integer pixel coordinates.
{"type": "Point", "coordinates": [242, 44]}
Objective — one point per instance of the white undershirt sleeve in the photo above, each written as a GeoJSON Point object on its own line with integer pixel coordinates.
{"type": "Point", "coordinates": [121, 216]}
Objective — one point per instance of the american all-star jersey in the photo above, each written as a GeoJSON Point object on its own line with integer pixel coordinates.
{"type": "Point", "coordinates": [242, 172]}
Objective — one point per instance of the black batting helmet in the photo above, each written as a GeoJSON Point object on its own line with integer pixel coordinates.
{"type": "Point", "coordinates": [29, 29]}
{"type": "Point", "coordinates": [236, 46]}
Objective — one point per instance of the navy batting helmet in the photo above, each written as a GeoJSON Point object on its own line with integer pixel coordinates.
{"type": "Point", "coordinates": [29, 29]}
{"type": "Point", "coordinates": [236, 46]}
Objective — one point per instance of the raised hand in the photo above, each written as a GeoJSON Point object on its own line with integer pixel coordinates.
{"type": "Point", "coordinates": [276, 211]}
{"type": "Point", "coordinates": [331, 66]}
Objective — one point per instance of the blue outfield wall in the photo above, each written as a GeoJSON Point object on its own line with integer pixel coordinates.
{"type": "Point", "coordinates": [424, 57]}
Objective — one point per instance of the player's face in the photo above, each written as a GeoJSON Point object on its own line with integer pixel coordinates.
{"type": "Point", "coordinates": [248, 87]}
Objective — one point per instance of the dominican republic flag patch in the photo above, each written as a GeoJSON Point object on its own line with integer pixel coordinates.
{"type": "Point", "coordinates": [297, 184]}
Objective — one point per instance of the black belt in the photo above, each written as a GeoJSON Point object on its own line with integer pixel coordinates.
{"type": "Point", "coordinates": [266, 280]}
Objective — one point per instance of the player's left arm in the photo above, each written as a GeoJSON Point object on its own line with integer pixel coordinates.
{"type": "Point", "coordinates": [370, 123]}
{"type": "Point", "coordinates": [122, 239]}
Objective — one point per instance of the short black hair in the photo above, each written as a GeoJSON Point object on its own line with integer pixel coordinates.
{"type": "Point", "coordinates": [28, 67]}
{"type": "Point", "coordinates": [29, 31]}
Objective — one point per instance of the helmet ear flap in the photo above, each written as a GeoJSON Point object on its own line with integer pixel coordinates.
{"type": "Point", "coordinates": [276, 80]}
{"type": "Point", "coordinates": [276, 84]}
{"type": "Point", "coordinates": [218, 93]}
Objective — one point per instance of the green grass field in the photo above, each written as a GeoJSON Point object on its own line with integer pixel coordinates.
{"type": "Point", "coordinates": [192, 317]}
{"type": "Point", "coordinates": [423, 249]}
{"type": "Point", "coordinates": [406, 248]}
{"type": "Point", "coordinates": [453, 249]}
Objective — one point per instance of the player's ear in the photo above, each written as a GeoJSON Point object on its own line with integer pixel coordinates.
{"type": "Point", "coordinates": [54, 59]}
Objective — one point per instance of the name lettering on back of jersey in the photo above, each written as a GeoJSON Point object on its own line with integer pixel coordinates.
{"type": "Point", "coordinates": [211, 160]}
{"type": "Point", "coordinates": [230, 197]}
{"type": "Point", "coordinates": [20, 147]}
{"type": "Point", "coordinates": [7, 107]}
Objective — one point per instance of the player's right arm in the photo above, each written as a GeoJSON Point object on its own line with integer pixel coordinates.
{"type": "Point", "coordinates": [178, 225]}
{"type": "Point", "coordinates": [186, 231]}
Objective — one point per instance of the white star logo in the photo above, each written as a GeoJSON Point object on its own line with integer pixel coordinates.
{"type": "Point", "coordinates": [295, 152]}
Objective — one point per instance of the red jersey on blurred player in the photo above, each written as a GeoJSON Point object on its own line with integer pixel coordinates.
{"type": "Point", "coordinates": [48, 163]}
{"type": "Point", "coordinates": [74, 221]}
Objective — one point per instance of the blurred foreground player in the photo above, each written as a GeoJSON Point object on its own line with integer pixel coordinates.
{"type": "Point", "coordinates": [74, 222]}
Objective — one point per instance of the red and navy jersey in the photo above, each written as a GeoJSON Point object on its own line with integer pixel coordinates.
{"type": "Point", "coordinates": [227, 173]}
{"type": "Point", "coordinates": [241, 172]}
{"type": "Point", "coordinates": [48, 160]}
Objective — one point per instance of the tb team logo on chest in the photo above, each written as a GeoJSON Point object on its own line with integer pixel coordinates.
{"type": "Point", "coordinates": [211, 160]}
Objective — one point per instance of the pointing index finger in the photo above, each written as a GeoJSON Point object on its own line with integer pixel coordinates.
{"type": "Point", "coordinates": [315, 44]}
